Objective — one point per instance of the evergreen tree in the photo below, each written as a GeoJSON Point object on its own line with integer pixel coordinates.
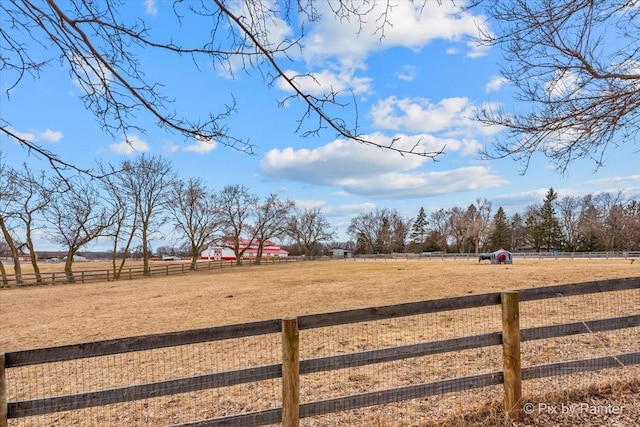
{"type": "Point", "coordinates": [551, 232]}
{"type": "Point", "coordinates": [419, 232]}
{"type": "Point", "coordinates": [542, 225]}
{"type": "Point", "coordinates": [502, 234]}
{"type": "Point", "coordinates": [517, 232]}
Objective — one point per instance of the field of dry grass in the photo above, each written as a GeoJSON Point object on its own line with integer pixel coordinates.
{"type": "Point", "coordinates": [62, 314]}
{"type": "Point", "coordinates": [50, 315]}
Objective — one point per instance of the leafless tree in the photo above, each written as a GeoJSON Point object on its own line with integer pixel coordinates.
{"type": "Point", "coordinates": [270, 221]}
{"type": "Point", "coordinates": [33, 194]}
{"type": "Point", "coordinates": [381, 231]}
{"type": "Point", "coordinates": [101, 48]}
{"type": "Point", "coordinates": [8, 199]}
{"type": "Point", "coordinates": [459, 227]}
{"type": "Point", "coordinates": [612, 224]}
{"type": "Point", "coordinates": [78, 217]}
{"type": "Point", "coordinates": [124, 229]}
{"type": "Point", "coordinates": [440, 226]}
{"type": "Point", "coordinates": [145, 181]}
{"type": "Point", "coordinates": [237, 212]}
{"type": "Point", "coordinates": [4, 248]}
{"type": "Point", "coordinates": [478, 216]}
{"type": "Point", "coordinates": [308, 227]}
{"type": "Point", "coordinates": [569, 213]}
{"type": "Point", "coordinates": [574, 67]}
{"type": "Point", "coordinates": [194, 215]}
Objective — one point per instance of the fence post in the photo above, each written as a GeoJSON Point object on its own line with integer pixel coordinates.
{"type": "Point", "coordinates": [4, 413]}
{"type": "Point", "coordinates": [290, 373]}
{"type": "Point", "coordinates": [511, 354]}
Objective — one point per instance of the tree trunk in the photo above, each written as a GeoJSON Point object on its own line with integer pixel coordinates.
{"type": "Point", "coordinates": [68, 267]}
{"type": "Point", "coordinates": [3, 272]}
{"type": "Point", "coordinates": [17, 269]}
{"type": "Point", "coordinates": [34, 259]}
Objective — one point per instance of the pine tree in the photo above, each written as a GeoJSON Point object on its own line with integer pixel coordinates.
{"type": "Point", "coordinates": [502, 234]}
{"type": "Point", "coordinates": [419, 232]}
{"type": "Point", "coordinates": [551, 232]}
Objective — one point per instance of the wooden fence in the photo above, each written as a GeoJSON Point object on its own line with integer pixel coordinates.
{"type": "Point", "coordinates": [171, 267]}
{"type": "Point", "coordinates": [163, 268]}
{"type": "Point", "coordinates": [292, 368]}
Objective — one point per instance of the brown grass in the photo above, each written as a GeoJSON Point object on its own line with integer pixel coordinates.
{"type": "Point", "coordinates": [51, 315]}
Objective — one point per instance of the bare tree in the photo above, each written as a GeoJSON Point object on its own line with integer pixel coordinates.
{"type": "Point", "coordinates": [78, 216]}
{"type": "Point", "coordinates": [382, 231]}
{"type": "Point", "coordinates": [309, 228]}
{"type": "Point", "coordinates": [569, 212]}
{"type": "Point", "coordinates": [574, 66]}
{"type": "Point", "coordinates": [194, 215]}
{"type": "Point", "coordinates": [4, 248]}
{"type": "Point", "coordinates": [145, 181]}
{"type": "Point", "coordinates": [101, 49]}
{"type": "Point", "coordinates": [439, 225]}
{"type": "Point", "coordinates": [478, 216]}
{"type": "Point", "coordinates": [271, 221]}
{"type": "Point", "coordinates": [237, 211]}
{"type": "Point", "coordinates": [33, 194]}
{"type": "Point", "coordinates": [459, 226]}
{"type": "Point", "coordinates": [124, 202]}
{"type": "Point", "coordinates": [8, 198]}
{"type": "Point", "coordinates": [612, 224]}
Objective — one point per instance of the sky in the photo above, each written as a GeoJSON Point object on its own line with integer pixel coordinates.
{"type": "Point", "coordinates": [421, 82]}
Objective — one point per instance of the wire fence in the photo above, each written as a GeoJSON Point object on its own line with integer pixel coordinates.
{"type": "Point", "coordinates": [165, 268]}
{"type": "Point", "coordinates": [393, 365]}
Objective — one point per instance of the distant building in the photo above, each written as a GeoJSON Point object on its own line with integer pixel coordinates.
{"type": "Point", "coordinates": [341, 253]}
{"type": "Point", "coordinates": [77, 258]}
{"type": "Point", "coordinates": [225, 252]}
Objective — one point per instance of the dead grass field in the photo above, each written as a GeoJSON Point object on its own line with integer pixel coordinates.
{"type": "Point", "coordinates": [62, 314]}
{"type": "Point", "coordinates": [41, 316]}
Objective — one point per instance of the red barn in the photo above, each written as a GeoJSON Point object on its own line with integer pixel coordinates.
{"type": "Point", "coordinates": [269, 249]}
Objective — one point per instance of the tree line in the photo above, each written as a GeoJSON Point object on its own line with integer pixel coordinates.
{"type": "Point", "coordinates": [140, 200]}
{"type": "Point", "coordinates": [593, 222]}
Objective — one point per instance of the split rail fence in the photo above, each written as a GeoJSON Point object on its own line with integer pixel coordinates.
{"type": "Point", "coordinates": [31, 386]}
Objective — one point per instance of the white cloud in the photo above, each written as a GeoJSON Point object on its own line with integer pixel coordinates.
{"type": "Point", "coordinates": [34, 135]}
{"type": "Point", "coordinates": [614, 180]}
{"type": "Point", "coordinates": [408, 73]}
{"type": "Point", "coordinates": [372, 172]}
{"type": "Point", "coordinates": [452, 117]}
{"type": "Point", "coordinates": [150, 8]}
{"type": "Point", "coordinates": [94, 74]}
{"type": "Point", "coordinates": [409, 25]}
{"type": "Point", "coordinates": [333, 79]}
{"type": "Point", "coordinates": [337, 160]}
{"type": "Point", "coordinates": [495, 84]}
{"type": "Point", "coordinates": [339, 65]}
{"type": "Point", "coordinates": [130, 146]}
{"type": "Point", "coordinates": [201, 146]}
{"type": "Point", "coordinates": [563, 83]}
{"type": "Point", "coordinates": [425, 184]}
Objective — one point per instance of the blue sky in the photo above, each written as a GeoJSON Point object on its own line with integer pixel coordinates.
{"type": "Point", "coordinates": [421, 82]}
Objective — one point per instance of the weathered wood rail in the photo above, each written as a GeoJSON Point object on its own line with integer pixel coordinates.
{"type": "Point", "coordinates": [291, 409]}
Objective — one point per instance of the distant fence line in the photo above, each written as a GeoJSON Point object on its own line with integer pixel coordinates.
{"type": "Point", "coordinates": [172, 267]}
{"type": "Point", "coordinates": [291, 367]}
{"type": "Point", "coordinates": [101, 275]}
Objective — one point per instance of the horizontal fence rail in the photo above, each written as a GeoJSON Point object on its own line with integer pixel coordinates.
{"type": "Point", "coordinates": [165, 268]}
{"type": "Point", "coordinates": [161, 268]}
{"type": "Point", "coordinates": [25, 408]}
